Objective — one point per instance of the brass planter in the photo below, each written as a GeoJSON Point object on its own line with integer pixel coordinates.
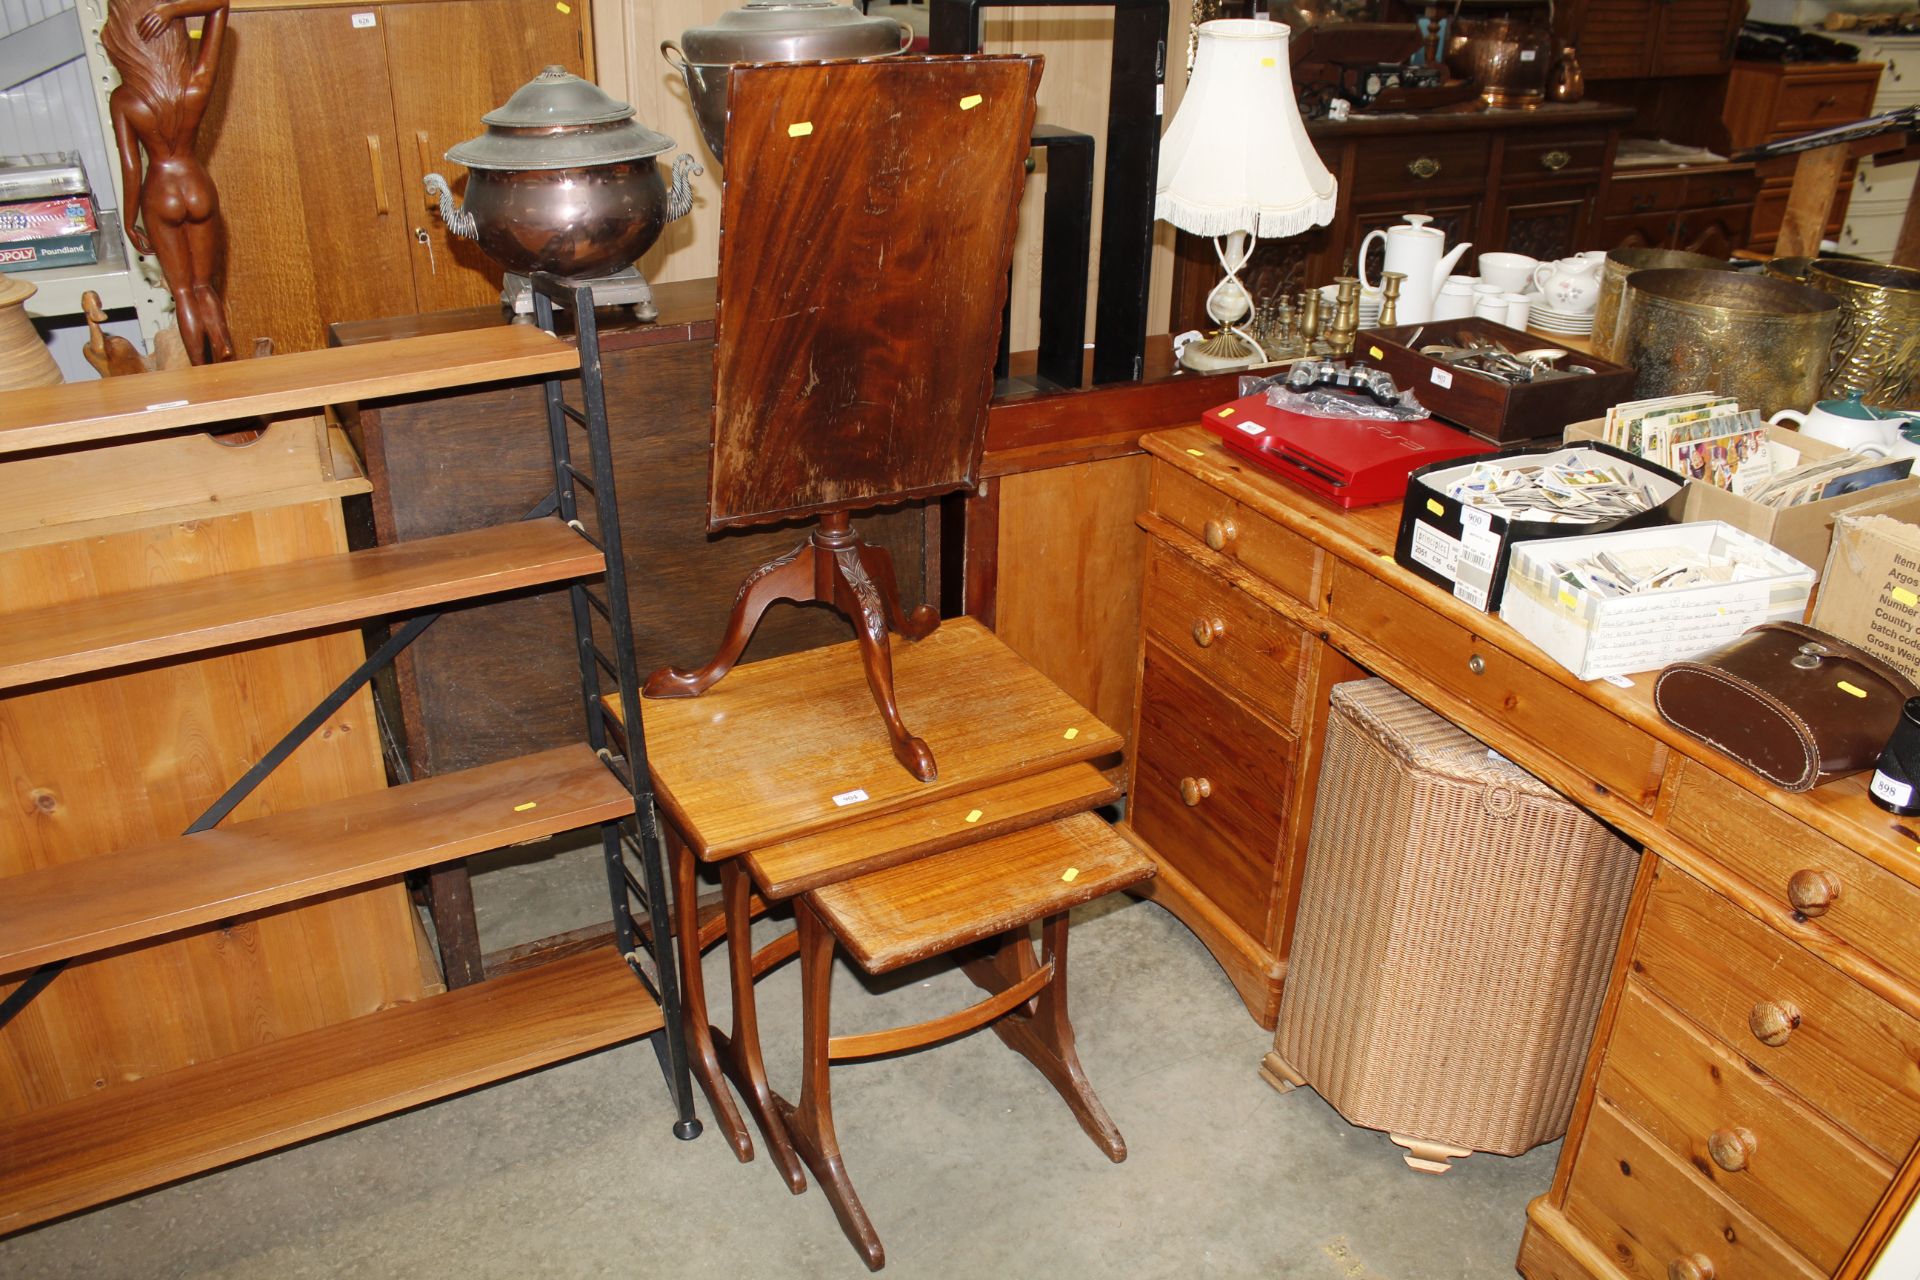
{"type": "Point", "coordinates": [1876, 346]}
{"type": "Point", "coordinates": [1763, 342]}
{"type": "Point", "coordinates": [1622, 263]}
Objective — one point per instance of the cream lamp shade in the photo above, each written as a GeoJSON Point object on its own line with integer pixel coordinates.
{"type": "Point", "coordinates": [1237, 156]}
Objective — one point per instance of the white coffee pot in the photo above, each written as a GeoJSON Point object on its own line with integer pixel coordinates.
{"type": "Point", "coordinates": [1852, 425]}
{"type": "Point", "coordinates": [1418, 252]}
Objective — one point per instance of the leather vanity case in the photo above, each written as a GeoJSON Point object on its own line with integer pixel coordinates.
{"type": "Point", "coordinates": [1797, 706]}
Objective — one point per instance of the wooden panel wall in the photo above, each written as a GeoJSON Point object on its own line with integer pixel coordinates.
{"type": "Point", "coordinates": [1073, 93]}
{"type": "Point", "coordinates": [97, 765]}
{"type": "Point", "coordinates": [1068, 593]}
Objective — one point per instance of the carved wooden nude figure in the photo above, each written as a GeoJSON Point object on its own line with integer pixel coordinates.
{"type": "Point", "coordinates": [173, 210]}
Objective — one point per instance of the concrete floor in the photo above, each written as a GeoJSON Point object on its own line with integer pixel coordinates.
{"type": "Point", "coordinates": [968, 1163]}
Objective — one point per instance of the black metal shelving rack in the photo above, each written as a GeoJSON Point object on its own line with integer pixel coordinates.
{"type": "Point", "coordinates": [642, 921]}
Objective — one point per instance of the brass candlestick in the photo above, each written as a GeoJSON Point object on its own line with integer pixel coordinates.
{"type": "Point", "coordinates": [1390, 283]}
{"type": "Point", "coordinates": [1309, 320]}
{"type": "Point", "coordinates": [1346, 314]}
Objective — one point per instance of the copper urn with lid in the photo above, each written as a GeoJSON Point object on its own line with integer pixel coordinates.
{"type": "Point", "coordinates": [564, 180]}
{"type": "Point", "coordinates": [771, 31]}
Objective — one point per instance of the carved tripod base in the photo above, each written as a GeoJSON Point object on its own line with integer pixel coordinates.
{"type": "Point", "coordinates": [834, 567]}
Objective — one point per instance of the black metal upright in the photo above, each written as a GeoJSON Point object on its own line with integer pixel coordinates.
{"type": "Point", "coordinates": [1135, 99]}
{"type": "Point", "coordinates": [648, 947]}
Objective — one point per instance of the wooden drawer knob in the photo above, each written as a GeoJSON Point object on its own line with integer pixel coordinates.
{"type": "Point", "coordinates": [1207, 630]}
{"type": "Point", "coordinates": [1695, 1266]}
{"type": "Point", "coordinates": [1812, 890]}
{"type": "Point", "coordinates": [1218, 533]}
{"type": "Point", "coordinates": [1732, 1148]}
{"type": "Point", "coordinates": [1772, 1021]}
{"type": "Point", "coordinates": [1194, 790]}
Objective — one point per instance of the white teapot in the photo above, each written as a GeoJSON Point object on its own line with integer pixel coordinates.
{"type": "Point", "coordinates": [1571, 285]}
{"type": "Point", "coordinates": [1418, 252]}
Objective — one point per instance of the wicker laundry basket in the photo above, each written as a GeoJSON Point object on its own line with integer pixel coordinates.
{"type": "Point", "coordinates": [1457, 923]}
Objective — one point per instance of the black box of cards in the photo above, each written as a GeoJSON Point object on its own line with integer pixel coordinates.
{"type": "Point", "coordinates": [1461, 518]}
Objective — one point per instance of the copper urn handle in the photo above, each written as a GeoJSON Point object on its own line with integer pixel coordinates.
{"type": "Point", "coordinates": [1731, 1149]}
{"type": "Point", "coordinates": [1773, 1021]}
{"type": "Point", "coordinates": [1218, 533]}
{"type": "Point", "coordinates": [1207, 630]}
{"type": "Point", "coordinates": [1812, 890]}
{"type": "Point", "coordinates": [1194, 790]}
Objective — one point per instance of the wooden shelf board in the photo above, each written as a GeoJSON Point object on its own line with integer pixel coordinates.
{"type": "Point", "coordinates": [179, 618]}
{"type": "Point", "coordinates": [85, 906]}
{"type": "Point", "coordinates": [116, 408]}
{"type": "Point", "coordinates": [137, 1136]}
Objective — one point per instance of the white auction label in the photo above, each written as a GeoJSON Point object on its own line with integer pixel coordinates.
{"type": "Point", "coordinates": [1442, 378]}
{"type": "Point", "coordinates": [364, 20]}
{"type": "Point", "coordinates": [846, 798]}
{"type": "Point", "coordinates": [1893, 791]}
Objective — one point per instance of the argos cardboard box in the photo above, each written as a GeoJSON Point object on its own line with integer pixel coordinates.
{"type": "Point", "coordinates": [1870, 592]}
{"type": "Point", "coordinates": [1803, 532]}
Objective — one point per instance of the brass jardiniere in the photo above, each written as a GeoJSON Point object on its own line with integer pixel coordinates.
{"type": "Point", "coordinates": [1876, 346]}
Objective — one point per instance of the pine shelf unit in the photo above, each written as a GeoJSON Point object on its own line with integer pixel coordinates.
{"type": "Point", "coordinates": [86, 1150]}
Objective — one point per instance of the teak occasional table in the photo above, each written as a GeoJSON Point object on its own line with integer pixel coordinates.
{"type": "Point", "coordinates": [775, 774]}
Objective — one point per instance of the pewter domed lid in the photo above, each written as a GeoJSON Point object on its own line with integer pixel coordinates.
{"type": "Point", "coordinates": [559, 121]}
{"type": "Point", "coordinates": [770, 31]}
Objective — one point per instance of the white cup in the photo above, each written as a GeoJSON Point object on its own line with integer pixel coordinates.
{"type": "Point", "coordinates": [1513, 272]}
{"type": "Point", "coordinates": [1519, 309]}
{"type": "Point", "coordinates": [1455, 301]}
{"type": "Point", "coordinates": [1490, 306]}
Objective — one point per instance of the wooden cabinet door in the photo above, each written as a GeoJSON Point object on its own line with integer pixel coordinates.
{"type": "Point", "coordinates": [1615, 37]}
{"type": "Point", "coordinates": [299, 139]}
{"type": "Point", "coordinates": [1544, 223]}
{"type": "Point", "coordinates": [453, 61]}
{"type": "Point", "coordinates": [1636, 231]}
{"type": "Point", "coordinates": [1714, 232]}
{"type": "Point", "coordinates": [1695, 37]}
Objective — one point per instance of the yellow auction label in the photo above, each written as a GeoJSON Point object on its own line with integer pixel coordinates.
{"type": "Point", "coordinates": [1227, 412]}
{"type": "Point", "coordinates": [969, 102]}
{"type": "Point", "coordinates": [522, 808]}
{"type": "Point", "coordinates": [973, 815]}
{"type": "Point", "coordinates": [1433, 505]}
{"type": "Point", "coordinates": [800, 130]}
{"type": "Point", "coordinates": [1848, 687]}
{"type": "Point", "coordinates": [1070, 874]}
{"type": "Point", "coordinates": [1376, 353]}
{"type": "Point", "coordinates": [1903, 596]}
{"type": "Point", "coordinates": [1071, 734]}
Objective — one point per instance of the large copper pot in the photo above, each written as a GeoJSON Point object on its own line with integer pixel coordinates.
{"type": "Point", "coordinates": [564, 180]}
{"type": "Point", "coordinates": [1508, 58]}
{"type": "Point", "coordinates": [771, 31]}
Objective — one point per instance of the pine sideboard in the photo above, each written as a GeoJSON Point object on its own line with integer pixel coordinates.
{"type": "Point", "coordinates": [1754, 1080]}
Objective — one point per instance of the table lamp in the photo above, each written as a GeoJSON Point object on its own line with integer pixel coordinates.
{"type": "Point", "coordinates": [1236, 164]}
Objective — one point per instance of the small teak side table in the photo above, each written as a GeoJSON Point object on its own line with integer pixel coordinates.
{"type": "Point", "coordinates": [776, 777]}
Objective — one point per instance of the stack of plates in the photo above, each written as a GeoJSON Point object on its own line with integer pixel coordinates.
{"type": "Point", "coordinates": [1545, 318]}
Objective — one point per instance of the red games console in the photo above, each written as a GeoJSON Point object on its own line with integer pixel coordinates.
{"type": "Point", "coordinates": [1350, 462]}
